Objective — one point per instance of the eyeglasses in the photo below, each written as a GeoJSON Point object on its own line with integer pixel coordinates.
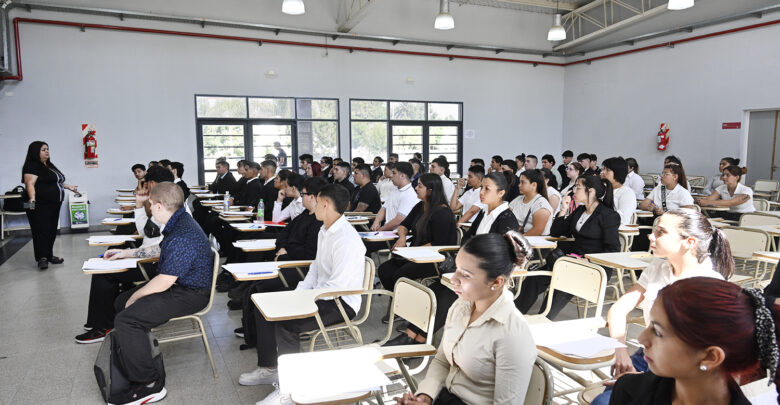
{"type": "Point", "coordinates": [307, 194]}
{"type": "Point", "coordinates": [580, 187]}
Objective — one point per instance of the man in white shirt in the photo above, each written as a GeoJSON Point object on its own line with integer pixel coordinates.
{"type": "Point", "coordinates": [530, 162]}
{"type": "Point", "coordinates": [401, 200]}
{"type": "Point", "coordinates": [548, 162]}
{"type": "Point", "coordinates": [291, 187]}
{"type": "Point", "coordinates": [469, 201]}
{"type": "Point", "coordinates": [339, 264]}
{"type": "Point", "coordinates": [438, 167]}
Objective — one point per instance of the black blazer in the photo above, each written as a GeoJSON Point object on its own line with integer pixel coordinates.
{"type": "Point", "coordinates": [238, 188]}
{"type": "Point", "coordinates": [505, 222]}
{"type": "Point", "coordinates": [599, 234]}
{"type": "Point", "coordinates": [269, 195]}
{"type": "Point", "coordinates": [221, 185]}
{"type": "Point", "coordinates": [441, 228]}
{"type": "Point", "coordinates": [325, 172]}
{"type": "Point", "coordinates": [376, 174]}
{"type": "Point", "coordinates": [184, 189]}
{"type": "Point", "coordinates": [251, 194]}
{"type": "Point", "coordinates": [564, 179]}
{"type": "Point", "coordinates": [650, 389]}
{"type": "Point", "coordinates": [299, 237]}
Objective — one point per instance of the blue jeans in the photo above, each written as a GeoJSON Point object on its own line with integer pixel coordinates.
{"type": "Point", "coordinates": [638, 360]}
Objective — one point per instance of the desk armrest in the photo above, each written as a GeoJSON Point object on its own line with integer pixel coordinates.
{"type": "Point", "coordinates": [396, 352]}
{"type": "Point", "coordinates": [300, 263]}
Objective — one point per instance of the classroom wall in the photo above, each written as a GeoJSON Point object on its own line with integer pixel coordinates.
{"type": "Point", "coordinates": [615, 106]}
{"type": "Point", "coordinates": [137, 89]}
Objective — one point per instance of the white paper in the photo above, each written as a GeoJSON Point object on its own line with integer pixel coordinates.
{"type": "Point", "coordinates": [539, 241]}
{"type": "Point", "coordinates": [237, 213]}
{"type": "Point", "coordinates": [587, 347]}
{"type": "Point", "coordinates": [247, 226]}
{"type": "Point", "coordinates": [110, 238]}
{"type": "Point", "coordinates": [377, 235]}
{"type": "Point", "coordinates": [101, 264]}
{"type": "Point", "coordinates": [118, 221]}
{"type": "Point", "coordinates": [420, 254]}
{"type": "Point", "coordinates": [243, 269]}
{"type": "Point", "coordinates": [255, 244]}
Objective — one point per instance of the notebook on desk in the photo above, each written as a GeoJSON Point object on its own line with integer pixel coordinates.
{"type": "Point", "coordinates": [98, 265]}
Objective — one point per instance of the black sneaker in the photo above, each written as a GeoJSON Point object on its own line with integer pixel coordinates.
{"type": "Point", "coordinates": [141, 394]}
{"type": "Point", "coordinates": [234, 305]}
{"type": "Point", "coordinates": [43, 264]}
{"type": "Point", "coordinates": [56, 260]}
{"type": "Point", "coordinates": [92, 336]}
{"type": "Point", "coordinates": [401, 340]}
{"type": "Point", "coordinates": [239, 332]}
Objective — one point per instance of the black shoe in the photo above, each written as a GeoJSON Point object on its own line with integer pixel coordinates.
{"type": "Point", "coordinates": [239, 332]}
{"type": "Point", "coordinates": [56, 260]}
{"type": "Point", "coordinates": [246, 347]}
{"type": "Point", "coordinates": [43, 264]}
{"type": "Point", "coordinates": [234, 305]}
{"type": "Point", "coordinates": [141, 394]}
{"type": "Point", "coordinates": [401, 340]}
{"type": "Point", "coordinates": [386, 318]}
{"type": "Point", "coordinates": [237, 292]}
{"type": "Point", "coordinates": [92, 336]}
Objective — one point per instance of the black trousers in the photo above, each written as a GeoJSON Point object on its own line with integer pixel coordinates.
{"type": "Point", "coordinates": [395, 268]}
{"type": "Point", "coordinates": [277, 338]}
{"type": "Point", "coordinates": [444, 300]}
{"type": "Point", "coordinates": [103, 291]}
{"type": "Point", "coordinates": [729, 216]}
{"type": "Point", "coordinates": [43, 225]}
{"type": "Point", "coordinates": [275, 284]}
{"type": "Point", "coordinates": [445, 397]}
{"type": "Point", "coordinates": [133, 323]}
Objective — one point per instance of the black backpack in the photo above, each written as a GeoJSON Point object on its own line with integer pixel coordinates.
{"type": "Point", "coordinates": [16, 204]}
{"type": "Point", "coordinates": [110, 373]}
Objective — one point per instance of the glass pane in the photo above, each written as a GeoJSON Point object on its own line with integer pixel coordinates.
{"type": "Point", "coordinates": [407, 130]}
{"type": "Point", "coordinates": [368, 110]}
{"type": "Point", "coordinates": [403, 110]}
{"type": "Point", "coordinates": [221, 107]}
{"type": "Point", "coordinates": [443, 130]}
{"type": "Point", "coordinates": [211, 171]}
{"type": "Point", "coordinates": [265, 137]}
{"type": "Point", "coordinates": [319, 138]}
{"type": "Point", "coordinates": [444, 112]}
{"type": "Point", "coordinates": [271, 108]}
{"type": "Point", "coordinates": [369, 139]}
{"type": "Point", "coordinates": [318, 109]}
{"type": "Point", "coordinates": [407, 139]}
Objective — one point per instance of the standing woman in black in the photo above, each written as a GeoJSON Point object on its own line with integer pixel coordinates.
{"type": "Point", "coordinates": [46, 190]}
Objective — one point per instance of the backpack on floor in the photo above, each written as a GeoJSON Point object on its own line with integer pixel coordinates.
{"type": "Point", "coordinates": [16, 204]}
{"type": "Point", "coordinates": [109, 372]}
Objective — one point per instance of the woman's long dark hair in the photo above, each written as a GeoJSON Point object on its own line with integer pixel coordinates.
{"type": "Point", "coordinates": [498, 254]}
{"type": "Point", "coordinates": [536, 176]}
{"type": "Point", "coordinates": [602, 187]}
{"type": "Point", "coordinates": [34, 157]}
{"type": "Point", "coordinates": [435, 200]}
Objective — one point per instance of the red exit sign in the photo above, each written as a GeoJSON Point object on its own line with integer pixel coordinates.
{"type": "Point", "coordinates": [732, 125]}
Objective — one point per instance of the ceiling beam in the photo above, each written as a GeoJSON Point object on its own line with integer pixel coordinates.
{"type": "Point", "coordinates": [565, 5]}
{"type": "Point", "coordinates": [351, 12]}
{"type": "Point", "coordinates": [610, 28]}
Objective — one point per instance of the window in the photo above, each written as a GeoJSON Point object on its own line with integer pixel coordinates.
{"type": "Point", "coordinates": [381, 127]}
{"type": "Point", "coordinates": [250, 128]}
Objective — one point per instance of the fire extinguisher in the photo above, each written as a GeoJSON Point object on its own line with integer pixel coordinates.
{"type": "Point", "coordinates": [663, 137]}
{"type": "Point", "coordinates": [90, 146]}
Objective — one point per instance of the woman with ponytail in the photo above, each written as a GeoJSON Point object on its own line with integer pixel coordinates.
{"type": "Point", "coordinates": [716, 181]}
{"type": "Point", "coordinates": [705, 336]}
{"type": "Point", "coordinates": [684, 245]}
{"type": "Point", "coordinates": [594, 227]}
{"type": "Point", "coordinates": [671, 194]}
{"type": "Point", "coordinates": [487, 351]}
{"type": "Point", "coordinates": [732, 194]}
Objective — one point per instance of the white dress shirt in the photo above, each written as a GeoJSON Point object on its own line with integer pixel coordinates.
{"type": "Point", "coordinates": [469, 199]}
{"type": "Point", "coordinates": [746, 206]}
{"type": "Point", "coordinates": [340, 262]}
{"type": "Point", "coordinates": [490, 217]}
{"type": "Point", "coordinates": [402, 200]}
{"type": "Point", "coordinates": [449, 188]}
{"type": "Point", "coordinates": [385, 188]}
{"type": "Point", "coordinates": [712, 184]}
{"type": "Point", "coordinates": [636, 184]}
{"type": "Point", "coordinates": [289, 212]}
{"type": "Point", "coordinates": [675, 198]}
{"type": "Point", "coordinates": [488, 361]}
{"type": "Point", "coordinates": [625, 203]}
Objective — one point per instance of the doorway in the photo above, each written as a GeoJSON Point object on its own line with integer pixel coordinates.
{"type": "Point", "coordinates": [763, 151]}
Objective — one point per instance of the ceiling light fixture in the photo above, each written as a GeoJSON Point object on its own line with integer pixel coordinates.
{"type": "Point", "coordinates": [679, 4]}
{"type": "Point", "coordinates": [444, 20]}
{"type": "Point", "coordinates": [556, 32]}
{"type": "Point", "coordinates": [293, 7]}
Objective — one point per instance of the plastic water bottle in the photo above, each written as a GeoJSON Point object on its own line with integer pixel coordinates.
{"type": "Point", "coordinates": [226, 202]}
{"type": "Point", "coordinates": [260, 210]}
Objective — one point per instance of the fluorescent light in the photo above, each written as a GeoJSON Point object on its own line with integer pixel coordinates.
{"type": "Point", "coordinates": [444, 20]}
{"type": "Point", "coordinates": [293, 7]}
{"type": "Point", "coordinates": [679, 4]}
{"type": "Point", "coordinates": [557, 32]}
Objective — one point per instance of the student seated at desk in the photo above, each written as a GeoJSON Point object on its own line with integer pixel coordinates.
{"type": "Point", "coordinates": [487, 351]}
{"type": "Point", "coordinates": [181, 287]}
{"type": "Point", "coordinates": [553, 195]}
{"type": "Point", "coordinates": [376, 169]}
{"type": "Point", "coordinates": [417, 170]}
{"type": "Point", "coordinates": [177, 168]}
{"type": "Point", "coordinates": [671, 194]}
{"type": "Point", "coordinates": [615, 170]}
{"type": "Point", "coordinates": [296, 241]}
{"type": "Point", "coordinates": [469, 203]}
{"type": "Point", "coordinates": [269, 191]}
{"type": "Point", "coordinates": [716, 181]}
{"type": "Point", "coordinates": [401, 201]}
{"type": "Point", "coordinates": [533, 211]}
{"type": "Point", "coordinates": [224, 182]}
{"type": "Point", "coordinates": [431, 223]}
{"type": "Point", "coordinates": [291, 188]}
{"type": "Point", "coordinates": [594, 227]}
{"type": "Point", "coordinates": [385, 184]}
{"type": "Point", "coordinates": [732, 194]}
{"type": "Point", "coordinates": [633, 180]}
{"type": "Point", "coordinates": [139, 171]}
{"type": "Point", "coordinates": [705, 337]}
{"type": "Point", "coordinates": [440, 166]}
{"type": "Point", "coordinates": [341, 173]}
{"type": "Point", "coordinates": [684, 245]}
{"type": "Point", "coordinates": [573, 171]}
{"type": "Point", "coordinates": [365, 197]}
{"type": "Point", "coordinates": [339, 263]}
{"type": "Point", "coordinates": [512, 173]}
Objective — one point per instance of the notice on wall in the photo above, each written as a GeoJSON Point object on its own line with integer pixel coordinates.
{"type": "Point", "coordinates": [89, 142]}
{"type": "Point", "coordinates": [732, 125]}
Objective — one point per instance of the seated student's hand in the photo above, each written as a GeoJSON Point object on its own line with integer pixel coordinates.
{"type": "Point", "coordinates": [461, 183]}
{"type": "Point", "coordinates": [280, 196]}
{"type": "Point", "coordinates": [658, 211]}
{"type": "Point", "coordinates": [114, 254]}
{"type": "Point", "coordinates": [281, 252]}
{"type": "Point", "coordinates": [375, 226]}
{"type": "Point", "coordinates": [410, 399]}
{"type": "Point", "coordinates": [140, 198]}
{"type": "Point", "coordinates": [565, 201]}
{"type": "Point", "coordinates": [399, 244]}
{"type": "Point", "coordinates": [611, 383]}
{"type": "Point", "coordinates": [623, 363]}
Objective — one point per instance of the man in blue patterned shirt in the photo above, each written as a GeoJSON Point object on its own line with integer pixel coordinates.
{"type": "Point", "coordinates": [182, 287]}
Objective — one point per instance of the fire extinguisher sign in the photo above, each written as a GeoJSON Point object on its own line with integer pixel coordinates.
{"type": "Point", "coordinates": [89, 143]}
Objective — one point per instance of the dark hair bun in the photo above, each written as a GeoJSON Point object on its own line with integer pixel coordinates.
{"type": "Point", "coordinates": [519, 248]}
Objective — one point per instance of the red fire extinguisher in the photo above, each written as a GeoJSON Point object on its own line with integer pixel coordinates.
{"type": "Point", "coordinates": [90, 146]}
{"type": "Point", "coordinates": [663, 137]}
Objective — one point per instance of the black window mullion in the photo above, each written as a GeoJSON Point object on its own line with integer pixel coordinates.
{"type": "Point", "coordinates": [426, 144]}
{"type": "Point", "coordinates": [249, 151]}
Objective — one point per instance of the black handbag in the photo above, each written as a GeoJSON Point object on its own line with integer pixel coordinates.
{"type": "Point", "coordinates": [553, 256]}
{"type": "Point", "coordinates": [16, 204]}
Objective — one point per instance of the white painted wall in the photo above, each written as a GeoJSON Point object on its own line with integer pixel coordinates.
{"type": "Point", "coordinates": [615, 106]}
{"type": "Point", "coordinates": [138, 90]}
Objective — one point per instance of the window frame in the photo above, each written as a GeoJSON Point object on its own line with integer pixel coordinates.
{"type": "Point", "coordinates": [248, 122]}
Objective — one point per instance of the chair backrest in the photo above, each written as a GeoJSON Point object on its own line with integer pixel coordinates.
{"type": "Point", "coordinates": [540, 388]}
{"type": "Point", "coordinates": [625, 243]}
{"type": "Point", "coordinates": [757, 218]}
{"type": "Point", "coordinates": [579, 278]}
{"type": "Point", "coordinates": [416, 303]}
{"type": "Point", "coordinates": [766, 185]}
{"type": "Point", "coordinates": [761, 204]}
{"type": "Point", "coordinates": [745, 241]}
{"type": "Point", "coordinates": [696, 181]}
{"type": "Point", "coordinates": [213, 283]}
{"type": "Point", "coordinates": [368, 274]}
{"type": "Point", "coordinates": [649, 179]}
{"type": "Point", "coordinates": [460, 234]}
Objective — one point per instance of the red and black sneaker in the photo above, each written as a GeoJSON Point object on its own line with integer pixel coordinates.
{"type": "Point", "coordinates": [94, 335]}
{"type": "Point", "coordinates": [142, 394]}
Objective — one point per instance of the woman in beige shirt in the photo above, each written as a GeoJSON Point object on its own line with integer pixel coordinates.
{"type": "Point", "coordinates": [487, 351]}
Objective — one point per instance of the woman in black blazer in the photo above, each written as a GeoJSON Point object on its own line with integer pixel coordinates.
{"type": "Point", "coordinates": [594, 227]}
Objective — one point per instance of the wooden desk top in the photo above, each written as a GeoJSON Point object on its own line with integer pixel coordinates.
{"type": "Point", "coordinates": [772, 257]}
{"type": "Point", "coordinates": [706, 208]}
{"type": "Point", "coordinates": [644, 214]}
{"type": "Point", "coordinates": [264, 270]}
{"type": "Point", "coordinates": [256, 245]}
{"type": "Point", "coordinates": [117, 221]}
{"type": "Point", "coordinates": [378, 236]}
{"type": "Point", "coordinates": [571, 330]}
{"type": "Point", "coordinates": [125, 190]}
{"type": "Point", "coordinates": [114, 211]}
{"type": "Point", "coordinates": [425, 254]}
{"type": "Point", "coordinates": [113, 240]}
{"type": "Point", "coordinates": [295, 304]}
{"type": "Point", "coordinates": [248, 227]}
{"type": "Point", "coordinates": [622, 260]}
{"type": "Point", "coordinates": [207, 195]}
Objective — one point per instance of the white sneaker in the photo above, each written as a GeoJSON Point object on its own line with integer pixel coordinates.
{"type": "Point", "coordinates": [260, 375]}
{"type": "Point", "coordinates": [276, 398]}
